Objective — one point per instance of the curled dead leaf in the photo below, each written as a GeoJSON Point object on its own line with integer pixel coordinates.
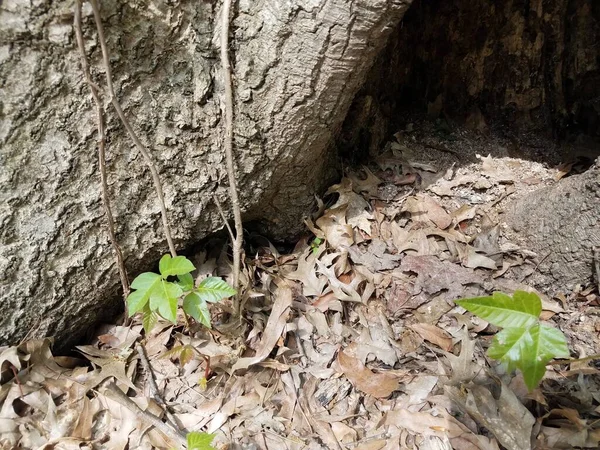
{"type": "Point", "coordinates": [433, 334]}
{"type": "Point", "coordinates": [378, 385]}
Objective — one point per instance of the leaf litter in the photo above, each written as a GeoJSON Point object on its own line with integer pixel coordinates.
{"type": "Point", "coordinates": [349, 342]}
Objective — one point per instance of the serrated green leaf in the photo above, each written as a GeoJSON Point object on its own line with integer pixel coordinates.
{"type": "Point", "coordinates": [529, 350]}
{"type": "Point", "coordinates": [200, 441]}
{"type": "Point", "coordinates": [552, 342]}
{"type": "Point", "coordinates": [214, 289]}
{"type": "Point", "coordinates": [196, 307]}
{"type": "Point", "coordinates": [174, 266]}
{"type": "Point", "coordinates": [186, 281]}
{"type": "Point", "coordinates": [547, 344]}
{"type": "Point", "coordinates": [164, 299]}
{"type": "Point", "coordinates": [522, 311]}
{"type": "Point", "coordinates": [509, 346]}
{"type": "Point", "coordinates": [186, 355]}
{"type": "Point", "coordinates": [149, 319]}
{"type": "Point", "coordinates": [144, 284]}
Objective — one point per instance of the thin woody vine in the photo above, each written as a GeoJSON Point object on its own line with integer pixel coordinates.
{"type": "Point", "coordinates": [160, 294]}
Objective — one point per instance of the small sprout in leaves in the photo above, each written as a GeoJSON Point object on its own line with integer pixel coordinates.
{"type": "Point", "coordinates": [154, 295]}
{"type": "Point", "coordinates": [200, 441]}
{"type": "Point", "coordinates": [524, 343]}
{"type": "Point", "coordinates": [314, 245]}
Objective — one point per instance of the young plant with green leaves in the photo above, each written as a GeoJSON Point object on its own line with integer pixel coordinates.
{"type": "Point", "coordinates": [200, 441]}
{"type": "Point", "coordinates": [524, 343]}
{"type": "Point", "coordinates": [156, 295]}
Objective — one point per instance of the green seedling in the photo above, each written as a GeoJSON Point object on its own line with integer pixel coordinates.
{"type": "Point", "coordinates": [200, 441]}
{"type": "Point", "coordinates": [314, 245]}
{"type": "Point", "coordinates": [154, 295]}
{"type": "Point", "coordinates": [524, 343]}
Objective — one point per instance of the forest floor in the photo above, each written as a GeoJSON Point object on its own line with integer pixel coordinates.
{"type": "Point", "coordinates": [350, 341]}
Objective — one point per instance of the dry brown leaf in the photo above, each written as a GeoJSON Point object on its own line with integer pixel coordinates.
{"type": "Point", "coordinates": [433, 334]}
{"type": "Point", "coordinates": [378, 385]}
{"type": "Point", "coordinates": [343, 291]}
{"type": "Point", "coordinates": [273, 330]}
{"type": "Point", "coordinates": [472, 260]}
{"type": "Point", "coordinates": [444, 187]}
{"type": "Point", "coordinates": [442, 426]}
{"type": "Point", "coordinates": [112, 364]}
{"type": "Point", "coordinates": [358, 213]}
{"type": "Point", "coordinates": [417, 241]}
{"type": "Point", "coordinates": [376, 444]}
{"type": "Point", "coordinates": [505, 417]}
{"type": "Point", "coordinates": [423, 206]}
{"type": "Point", "coordinates": [368, 185]}
{"type": "Point", "coordinates": [569, 437]}
{"type": "Point", "coordinates": [462, 366]}
{"type": "Point", "coordinates": [337, 232]}
{"type": "Point", "coordinates": [374, 257]}
{"type": "Point", "coordinates": [465, 212]}
{"type": "Point", "coordinates": [435, 275]}
{"type": "Point", "coordinates": [305, 273]}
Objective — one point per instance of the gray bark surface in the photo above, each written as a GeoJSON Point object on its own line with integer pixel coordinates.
{"type": "Point", "coordinates": [562, 225]}
{"type": "Point", "coordinates": [298, 65]}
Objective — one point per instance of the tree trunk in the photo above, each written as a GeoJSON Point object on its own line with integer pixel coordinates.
{"type": "Point", "coordinates": [298, 65]}
{"type": "Point", "coordinates": [562, 225]}
{"type": "Point", "coordinates": [513, 67]}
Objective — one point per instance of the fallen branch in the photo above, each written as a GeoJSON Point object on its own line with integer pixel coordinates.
{"type": "Point", "coordinates": [114, 393]}
{"type": "Point", "coordinates": [130, 131]}
{"type": "Point", "coordinates": [101, 154]}
{"type": "Point", "coordinates": [228, 144]}
{"type": "Point", "coordinates": [154, 392]}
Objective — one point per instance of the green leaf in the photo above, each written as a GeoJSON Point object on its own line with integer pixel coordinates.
{"type": "Point", "coordinates": [196, 307]}
{"type": "Point", "coordinates": [145, 281]}
{"type": "Point", "coordinates": [149, 319]}
{"type": "Point", "coordinates": [213, 289]}
{"type": "Point", "coordinates": [145, 284]}
{"type": "Point", "coordinates": [164, 299]}
{"type": "Point", "coordinates": [179, 265]}
{"type": "Point", "coordinates": [552, 342]}
{"type": "Point", "coordinates": [547, 343]}
{"type": "Point", "coordinates": [529, 350]}
{"type": "Point", "coordinates": [533, 372]}
{"type": "Point", "coordinates": [510, 346]}
{"type": "Point", "coordinates": [200, 441]}
{"type": "Point", "coordinates": [521, 311]}
{"type": "Point", "coordinates": [186, 281]}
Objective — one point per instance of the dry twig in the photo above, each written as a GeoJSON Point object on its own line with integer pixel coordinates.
{"type": "Point", "coordinates": [101, 153]}
{"type": "Point", "coordinates": [228, 144]}
{"type": "Point", "coordinates": [154, 392]}
{"type": "Point", "coordinates": [130, 131]}
{"type": "Point", "coordinates": [220, 208]}
{"type": "Point", "coordinates": [114, 393]}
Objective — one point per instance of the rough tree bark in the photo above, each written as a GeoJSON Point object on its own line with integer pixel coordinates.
{"type": "Point", "coordinates": [298, 65]}
{"type": "Point", "coordinates": [562, 224]}
{"type": "Point", "coordinates": [516, 67]}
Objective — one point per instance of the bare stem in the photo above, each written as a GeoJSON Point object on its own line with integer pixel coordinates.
{"type": "Point", "coordinates": [101, 154]}
{"type": "Point", "coordinates": [154, 392]}
{"type": "Point", "coordinates": [114, 393]}
{"type": "Point", "coordinates": [228, 144]}
{"type": "Point", "coordinates": [130, 131]}
{"type": "Point", "coordinates": [222, 213]}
